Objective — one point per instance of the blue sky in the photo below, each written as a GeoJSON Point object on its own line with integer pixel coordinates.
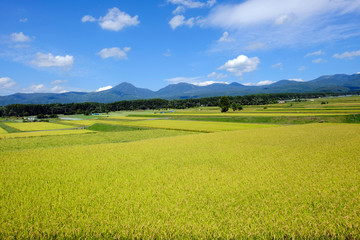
{"type": "Point", "coordinates": [88, 45]}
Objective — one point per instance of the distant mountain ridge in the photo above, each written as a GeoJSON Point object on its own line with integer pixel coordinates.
{"type": "Point", "coordinates": [338, 83]}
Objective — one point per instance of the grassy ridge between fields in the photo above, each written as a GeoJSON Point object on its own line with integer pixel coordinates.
{"type": "Point", "coordinates": [291, 181]}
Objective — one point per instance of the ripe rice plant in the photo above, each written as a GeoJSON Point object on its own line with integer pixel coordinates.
{"type": "Point", "coordinates": [285, 182]}
{"type": "Point", "coordinates": [43, 133]}
{"type": "Point", "coordinates": [80, 122]}
{"type": "Point", "coordinates": [2, 131]}
{"type": "Point", "coordinates": [200, 126]}
{"type": "Point", "coordinates": [58, 140]}
{"type": "Point", "coordinates": [36, 126]}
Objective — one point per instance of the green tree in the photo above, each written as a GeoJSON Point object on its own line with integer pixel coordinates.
{"type": "Point", "coordinates": [234, 106]}
{"type": "Point", "coordinates": [224, 104]}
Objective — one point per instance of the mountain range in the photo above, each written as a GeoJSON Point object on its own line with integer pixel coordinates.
{"type": "Point", "coordinates": [338, 83]}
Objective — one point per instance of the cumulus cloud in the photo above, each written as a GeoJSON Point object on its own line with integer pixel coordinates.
{"type": "Point", "coordinates": [179, 20]}
{"type": "Point", "coordinates": [49, 60]}
{"type": "Point", "coordinates": [317, 53]}
{"type": "Point", "coordinates": [58, 82]}
{"type": "Point", "coordinates": [349, 55]}
{"type": "Point", "coordinates": [23, 20]}
{"type": "Point", "coordinates": [6, 82]}
{"type": "Point", "coordinates": [261, 83]}
{"type": "Point", "coordinates": [116, 20]}
{"type": "Point", "coordinates": [114, 52]}
{"type": "Point", "coordinates": [225, 38]}
{"type": "Point", "coordinates": [104, 88]}
{"type": "Point", "coordinates": [20, 37]}
{"type": "Point", "coordinates": [278, 65]}
{"type": "Point", "coordinates": [88, 18]}
{"type": "Point", "coordinates": [286, 22]}
{"type": "Point", "coordinates": [241, 64]}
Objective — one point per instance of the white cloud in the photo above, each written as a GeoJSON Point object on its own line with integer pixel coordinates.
{"type": "Point", "coordinates": [317, 53]}
{"type": "Point", "coordinates": [58, 82]}
{"type": "Point", "coordinates": [264, 11]}
{"type": "Point", "coordinates": [48, 60]}
{"type": "Point", "coordinates": [23, 20]}
{"type": "Point", "coordinates": [296, 80]}
{"type": "Point", "coordinates": [35, 88]}
{"type": "Point", "coordinates": [217, 75]}
{"type": "Point", "coordinates": [58, 89]}
{"type": "Point", "coordinates": [278, 65]}
{"type": "Point", "coordinates": [318, 60]}
{"type": "Point", "coordinates": [261, 83]}
{"type": "Point", "coordinates": [210, 3]}
{"type": "Point", "coordinates": [116, 20]}
{"type": "Point", "coordinates": [20, 37]}
{"type": "Point", "coordinates": [192, 3]}
{"type": "Point", "coordinates": [114, 52]}
{"type": "Point", "coordinates": [206, 83]}
{"type": "Point", "coordinates": [213, 74]}
{"type": "Point", "coordinates": [88, 18]}
{"type": "Point", "coordinates": [302, 68]}
{"type": "Point", "coordinates": [179, 20]}
{"type": "Point", "coordinates": [225, 38]}
{"type": "Point", "coordinates": [241, 64]}
{"type": "Point", "coordinates": [283, 19]}
{"type": "Point", "coordinates": [286, 22]}
{"type": "Point", "coordinates": [6, 82]}
{"type": "Point", "coordinates": [178, 10]}
{"type": "Point", "coordinates": [104, 88]}
{"type": "Point", "coordinates": [358, 73]}
{"type": "Point", "coordinates": [348, 55]}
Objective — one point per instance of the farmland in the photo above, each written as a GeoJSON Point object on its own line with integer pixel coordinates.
{"type": "Point", "coordinates": [173, 177]}
{"type": "Point", "coordinates": [36, 126]}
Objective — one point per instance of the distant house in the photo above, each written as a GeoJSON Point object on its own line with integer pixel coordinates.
{"type": "Point", "coordinates": [281, 101]}
{"type": "Point", "coordinates": [31, 119]}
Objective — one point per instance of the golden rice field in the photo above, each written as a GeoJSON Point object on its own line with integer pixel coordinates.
{"type": "Point", "coordinates": [51, 139]}
{"type": "Point", "coordinates": [281, 182]}
{"type": "Point", "coordinates": [3, 131]}
{"type": "Point", "coordinates": [43, 133]}
{"type": "Point", "coordinates": [36, 126]}
{"type": "Point", "coordinates": [199, 126]}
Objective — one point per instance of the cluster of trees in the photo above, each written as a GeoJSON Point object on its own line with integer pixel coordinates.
{"type": "Point", "coordinates": [87, 108]}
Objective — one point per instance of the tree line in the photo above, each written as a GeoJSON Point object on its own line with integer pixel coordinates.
{"type": "Point", "coordinates": [21, 110]}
